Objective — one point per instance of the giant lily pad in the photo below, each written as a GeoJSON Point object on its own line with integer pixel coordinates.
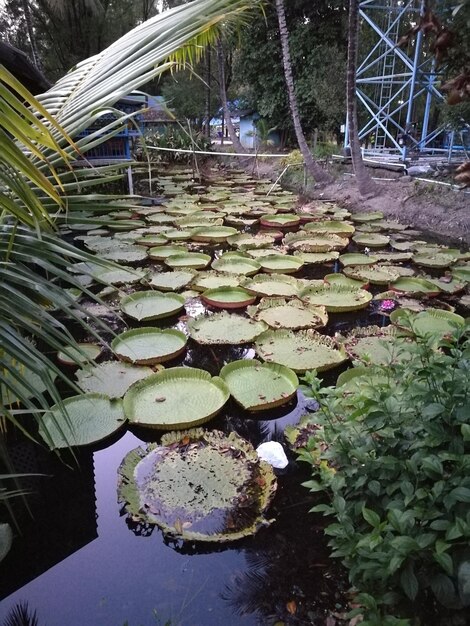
{"type": "Point", "coordinates": [461, 272]}
{"type": "Point", "coordinates": [413, 285]}
{"type": "Point", "coordinates": [151, 305]}
{"type": "Point", "coordinates": [213, 280]}
{"type": "Point", "coordinates": [316, 258]}
{"type": "Point", "coordinates": [213, 233]}
{"type": "Point", "coordinates": [336, 298]}
{"type": "Point", "coordinates": [284, 220]}
{"type": "Point", "coordinates": [225, 328]}
{"type": "Point", "coordinates": [119, 276]}
{"type": "Point", "coordinates": [300, 350]}
{"type": "Point", "coordinates": [81, 354]}
{"type": "Point", "coordinates": [172, 281]}
{"type": "Point", "coordinates": [91, 417]}
{"type": "Point", "coordinates": [176, 398]}
{"type": "Point", "coordinates": [236, 265]}
{"type": "Point", "coordinates": [147, 346]}
{"type": "Point", "coordinates": [355, 258]}
{"type": "Point", "coordinates": [372, 344]}
{"type": "Point", "coordinates": [259, 386]}
{"type": "Point", "coordinates": [334, 227]}
{"type": "Point", "coordinates": [371, 240]}
{"type": "Point", "coordinates": [198, 486]}
{"type": "Point", "coordinates": [376, 275]}
{"type": "Point", "coordinates": [228, 297]}
{"type": "Point", "coordinates": [112, 378]}
{"type": "Point", "coordinates": [367, 217]}
{"type": "Point", "coordinates": [196, 260]}
{"type": "Point", "coordinates": [273, 285]}
{"type": "Point", "coordinates": [433, 259]}
{"type": "Point", "coordinates": [429, 322]}
{"type": "Point", "coordinates": [245, 240]}
{"type": "Point", "coordinates": [280, 264]}
{"type": "Point", "coordinates": [311, 242]}
{"type": "Point", "coordinates": [292, 314]}
{"type": "Point", "coordinates": [160, 253]}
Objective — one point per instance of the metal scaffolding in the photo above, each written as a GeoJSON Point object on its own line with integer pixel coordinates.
{"type": "Point", "coordinates": [396, 88]}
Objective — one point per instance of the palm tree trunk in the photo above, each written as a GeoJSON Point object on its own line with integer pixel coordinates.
{"type": "Point", "coordinates": [31, 37]}
{"type": "Point", "coordinates": [312, 167]}
{"type": "Point", "coordinates": [364, 181]}
{"type": "Point", "coordinates": [223, 97]}
{"type": "Point", "coordinates": [208, 93]}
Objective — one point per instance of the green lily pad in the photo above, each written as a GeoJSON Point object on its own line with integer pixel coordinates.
{"type": "Point", "coordinates": [151, 305]}
{"type": "Point", "coordinates": [147, 346]}
{"type": "Point", "coordinates": [336, 298]}
{"type": "Point", "coordinates": [461, 272]}
{"type": "Point", "coordinates": [291, 314]}
{"type": "Point", "coordinates": [372, 344]}
{"type": "Point", "coordinates": [280, 264]}
{"type": "Point", "coordinates": [437, 259]}
{"type": "Point", "coordinates": [376, 275]}
{"type": "Point", "coordinates": [272, 285]}
{"type": "Point", "coordinates": [160, 253]}
{"type": "Point", "coordinates": [447, 284]}
{"type": "Point", "coordinates": [177, 398]}
{"type": "Point", "coordinates": [91, 418]}
{"type": "Point", "coordinates": [233, 265]}
{"type": "Point", "coordinates": [345, 281]}
{"type": "Point", "coordinates": [213, 280]}
{"type": "Point", "coordinates": [225, 328]}
{"type": "Point", "coordinates": [111, 378]}
{"type": "Point", "coordinates": [367, 217]}
{"type": "Point", "coordinates": [355, 258]}
{"type": "Point", "coordinates": [334, 227]}
{"type": "Point", "coordinates": [413, 285]}
{"type": "Point", "coordinates": [258, 386]}
{"type": "Point", "coordinates": [228, 297]}
{"type": "Point", "coordinates": [198, 486]}
{"type": "Point", "coordinates": [195, 260]}
{"type": "Point", "coordinates": [119, 276]}
{"type": "Point", "coordinates": [172, 281]}
{"type": "Point", "coordinates": [213, 233]}
{"type": "Point", "coordinates": [83, 353]}
{"type": "Point", "coordinates": [372, 240]}
{"type": "Point", "coordinates": [283, 220]}
{"type": "Point", "coordinates": [311, 242]}
{"type": "Point", "coordinates": [316, 258]}
{"type": "Point", "coordinates": [429, 322]}
{"type": "Point", "coordinates": [150, 241]}
{"type": "Point", "coordinates": [300, 350]}
{"type": "Point", "coordinates": [245, 240]}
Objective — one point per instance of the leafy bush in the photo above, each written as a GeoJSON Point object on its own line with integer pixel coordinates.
{"type": "Point", "coordinates": [392, 449]}
{"type": "Point", "coordinates": [176, 138]}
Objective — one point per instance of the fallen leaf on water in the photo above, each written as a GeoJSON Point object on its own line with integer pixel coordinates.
{"type": "Point", "coordinates": [291, 606]}
{"type": "Point", "coordinates": [161, 399]}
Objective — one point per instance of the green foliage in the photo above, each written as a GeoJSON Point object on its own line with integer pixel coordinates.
{"type": "Point", "coordinates": [392, 450]}
{"type": "Point", "coordinates": [176, 138]}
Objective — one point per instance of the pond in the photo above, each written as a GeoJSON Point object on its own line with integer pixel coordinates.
{"type": "Point", "coordinates": [80, 560]}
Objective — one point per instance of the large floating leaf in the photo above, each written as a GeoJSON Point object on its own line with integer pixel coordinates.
{"type": "Point", "coordinates": [236, 265]}
{"type": "Point", "coordinates": [82, 353]}
{"type": "Point", "coordinates": [355, 258]}
{"type": "Point", "coordinates": [284, 220]}
{"type": "Point", "coordinates": [244, 241]}
{"type": "Point", "coordinates": [160, 253]}
{"type": "Point", "coordinates": [147, 346]}
{"type": "Point", "coordinates": [213, 233]}
{"type": "Point", "coordinates": [112, 378]}
{"type": "Point", "coordinates": [151, 305]}
{"type": "Point", "coordinates": [311, 242]}
{"type": "Point", "coordinates": [333, 227]}
{"type": "Point", "coordinates": [316, 258]}
{"type": "Point", "coordinates": [176, 398]}
{"type": "Point", "coordinates": [225, 328]}
{"type": "Point", "coordinates": [376, 275]}
{"type": "Point", "coordinates": [291, 314]}
{"type": "Point", "coordinates": [273, 285]}
{"type": "Point", "coordinates": [213, 280]}
{"type": "Point", "coordinates": [430, 322]}
{"type": "Point", "coordinates": [172, 281]}
{"type": "Point", "coordinates": [336, 298]}
{"type": "Point", "coordinates": [414, 286]}
{"type": "Point", "coordinates": [345, 281]}
{"type": "Point", "coordinates": [196, 260]}
{"type": "Point", "coordinates": [259, 386]}
{"type": "Point", "coordinates": [91, 418]}
{"type": "Point", "coordinates": [122, 276]}
{"type": "Point", "coordinates": [198, 486]}
{"type": "Point", "coordinates": [434, 259]}
{"type": "Point", "coordinates": [367, 217]}
{"type": "Point", "coordinates": [372, 344]}
{"type": "Point", "coordinates": [372, 240]}
{"type": "Point", "coordinates": [228, 297]}
{"type": "Point", "coordinates": [280, 263]}
{"type": "Point", "coordinates": [300, 350]}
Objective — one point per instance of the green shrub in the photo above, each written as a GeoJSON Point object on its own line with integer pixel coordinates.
{"type": "Point", "coordinates": [392, 449]}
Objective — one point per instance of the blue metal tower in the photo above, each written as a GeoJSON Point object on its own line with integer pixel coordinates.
{"type": "Point", "coordinates": [396, 88]}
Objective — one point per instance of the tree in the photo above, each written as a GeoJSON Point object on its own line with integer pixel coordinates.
{"type": "Point", "coordinates": [312, 167]}
{"type": "Point", "coordinates": [364, 181]}
{"type": "Point", "coordinates": [223, 96]}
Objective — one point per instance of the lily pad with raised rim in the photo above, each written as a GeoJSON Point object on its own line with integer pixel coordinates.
{"type": "Point", "coordinates": [151, 305]}
{"type": "Point", "coordinates": [195, 260]}
{"type": "Point", "coordinates": [311, 242]}
{"type": "Point", "coordinates": [212, 280]}
{"type": "Point", "coordinates": [372, 344]}
{"type": "Point", "coordinates": [433, 259]}
{"type": "Point", "coordinates": [273, 285]}
{"type": "Point", "coordinates": [283, 220]}
{"type": "Point", "coordinates": [280, 264]}
{"type": "Point", "coordinates": [334, 227]}
{"type": "Point", "coordinates": [336, 298]}
{"type": "Point", "coordinates": [177, 398]}
{"type": "Point", "coordinates": [198, 486]}
{"type": "Point", "coordinates": [316, 258]}
{"type": "Point", "coordinates": [111, 378]}
{"type": "Point", "coordinates": [411, 285]}
{"type": "Point", "coordinates": [371, 240]}
{"type": "Point", "coordinates": [367, 217]}
{"type": "Point", "coordinates": [376, 274]}
{"type": "Point", "coordinates": [234, 265]}
{"type": "Point", "coordinates": [119, 276]}
{"type": "Point", "coordinates": [85, 352]}
{"type": "Point", "coordinates": [172, 281]}
{"type": "Point", "coordinates": [434, 322]}
{"type": "Point", "coordinates": [356, 258]}
{"type": "Point", "coordinates": [345, 281]}
{"type": "Point", "coordinates": [147, 346]}
{"type": "Point", "coordinates": [213, 233]}
{"type": "Point", "coordinates": [291, 314]}
{"type": "Point", "coordinates": [91, 417]}
{"type": "Point", "coordinates": [300, 350]}
{"type": "Point", "coordinates": [225, 328]}
{"type": "Point", "coordinates": [228, 297]}
{"type": "Point", "coordinates": [160, 253]}
{"type": "Point", "coordinates": [259, 386]}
